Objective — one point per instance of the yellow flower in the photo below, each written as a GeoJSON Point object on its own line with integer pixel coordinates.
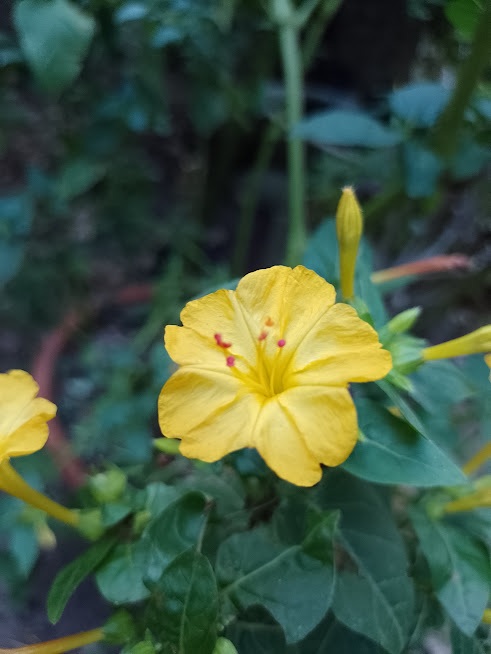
{"type": "Point", "coordinates": [23, 416]}
{"type": "Point", "coordinates": [477, 341]}
{"type": "Point", "coordinates": [24, 430]}
{"type": "Point", "coordinates": [268, 366]}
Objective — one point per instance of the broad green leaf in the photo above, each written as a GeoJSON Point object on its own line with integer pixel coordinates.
{"type": "Point", "coordinates": [379, 601]}
{"type": "Point", "coordinates": [403, 405]}
{"type": "Point", "coordinates": [419, 104]}
{"type": "Point", "coordinates": [346, 128]}
{"type": "Point", "coordinates": [439, 384]}
{"type": "Point", "coordinates": [293, 586]}
{"type": "Point", "coordinates": [392, 452]}
{"type": "Point", "coordinates": [68, 579]}
{"type": "Point", "coordinates": [460, 569]}
{"type": "Point", "coordinates": [422, 170]}
{"type": "Point", "coordinates": [332, 637]}
{"type": "Point", "coordinates": [255, 632]}
{"type": "Point", "coordinates": [54, 37]}
{"type": "Point", "coordinates": [184, 608]}
{"type": "Point", "coordinates": [462, 644]}
{"type": "Point", "coordinates": [469, 160]}
{"type": "Point", "coordinates": [120, 579]}
{"type": "Point", "coordinates": [178, 527]}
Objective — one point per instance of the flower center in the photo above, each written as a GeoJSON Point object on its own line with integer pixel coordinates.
{"type": "Point", "coordinates": [265, 375]}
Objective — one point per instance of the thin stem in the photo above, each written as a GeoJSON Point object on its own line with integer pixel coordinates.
{"type": "Point", "coordinates": [59, 645]}
{"type": "Point", "coordinates": [316, 29]}
{"type": "Point", "coordinates": [293, 72]}
{"type": "Point", "coordinates": [447, 128]}
{"type": "Point", "coordinates": [11, 482]}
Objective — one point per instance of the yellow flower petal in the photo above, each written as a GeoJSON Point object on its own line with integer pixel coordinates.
{"type": "Point", "coordinates": [208, 411]}
{"type": "Point", "coordinates": [23, 416]}
{"type": "Point", "coordinates": [283, 446]}
{"type": "Point", "coordinates": [339, 349]}
{"type": "Point", "coordinates": [293, 299]}
{"type": "Point", "coordinates": [187, 347]}
{"type": "Point", "coordinates": [327, 419]}
{"type": "Point", "coordinates": [220, 313]}
{"type": "Point", "coordinates": [304, 427]}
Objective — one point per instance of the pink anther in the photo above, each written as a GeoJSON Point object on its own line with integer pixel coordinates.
{"type": "Point", "coordinates": [281, 342]}
{"type": "Point", "coordinates": [230, 362]}
{"type": "Point", "coordinates": [220, 343]}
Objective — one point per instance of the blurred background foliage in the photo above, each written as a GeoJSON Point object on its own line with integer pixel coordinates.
{"type": "Point", "coordinates": [142, 142]}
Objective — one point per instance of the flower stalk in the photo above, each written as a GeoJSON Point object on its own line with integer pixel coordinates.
{"type": "Point", "coordinates": [349, 228]}
{"type": "Point", "coordinates": [59, 645]}
{"type": "Point", "coordinates": [477, 460]}
{"type": "Point", "coordinates": [11, 482]}
{"type": "Point", "coordinates": [477, 500]}
{"type": "Point", "coordinates": [473, 343]}
{"type": "Point", "coordinates": [289, 28]}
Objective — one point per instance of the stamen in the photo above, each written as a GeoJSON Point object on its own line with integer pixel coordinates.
{"type": "Point", "coordinates": [281, 342]}
{"type": "Point", "coordinates": [220, 343]}
{"type": "Point", "coordinates": [230, 362]}
{"type": "Point", "coordinates": [269, 322]}
{"type": "Point", "coordinates": [262, 336]}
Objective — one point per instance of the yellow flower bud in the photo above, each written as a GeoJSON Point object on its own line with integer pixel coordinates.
{"type": "Point", "coordinates": [477, 341]}
{"type": "Point", "coordinates": [486, 618]}
{"type": "Point", "coordinates": [487, 361]}
{"type": "Point", "coordinates": [477, 500]}
{"type": "Point", "coordinates": [60, 645]}
{"type": "Point", "coordinates": [349, 228]}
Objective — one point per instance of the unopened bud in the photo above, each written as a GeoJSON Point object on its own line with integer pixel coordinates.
{"type": "Point", "coordinates": [119, 629]}
{"type": "Point", "coordinates": [224, 646]}
{"type": "Point", "coordinates": [108, 486]}
{"type": "Point", "coordinates": [403, 321]}
{"type": "Point", "coordinates": [473, 343]}
{"type": "Point", "coordinates": [349, 228]}
{"type": "Point", "coordinates": [167, 445]}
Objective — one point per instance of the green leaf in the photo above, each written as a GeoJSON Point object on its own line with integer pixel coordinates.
{"type": "Point", "coordinates": [379, 601]}
{"type": "Point", "coordinates": [293, 586]}
{"type": "Point", "coordinates": [184, 609]}
{"type": "Point", "coordinates": [346, 128]}
{"type": "Point", "coordinates": [460, 569]}
{"type": "Point", "coordinates": [464, 16]}
{"type": "Point", "coordinates": [124, 577]}
{"type": "Point", "coordinates": [462, 644]}
{"type": "Point", "coordinates": [255, 632]}
{"type": "Point", "coordinates": [68, 579]}
{"type": "Point", "coordinates": [54, 37]}
{"type": "Point", "coordinates": [422, 169]}
{"type": "Point", "coordinates": [403, 405]}
{"type": "Point", "coordinates": [392, 452]}
{"type": "Point", "coordinates": [332, 637]}
{"type": "Point", "coordinates": [419, 104]}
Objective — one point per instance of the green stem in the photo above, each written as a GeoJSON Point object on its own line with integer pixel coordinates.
{"type": "Point", "coordinates": [293, 72]}
{"type": "Point", "coordinates": [447, 128]}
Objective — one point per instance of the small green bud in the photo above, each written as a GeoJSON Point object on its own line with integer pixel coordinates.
{"type": "Point", "coordinates": [90, 523]}
{"type": "Point", "coordinates": [140, 521]}
{"type": "Point", "coordinates": [167, 445]}
{"type": "Point", "coordinates": [108, 486]}
{"type": "Point", "coordinates": [224, 646]}
{"type": "Point", "coordinates": [404, 321]}
{"type": "Point", "coordinates": [119, 629]}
